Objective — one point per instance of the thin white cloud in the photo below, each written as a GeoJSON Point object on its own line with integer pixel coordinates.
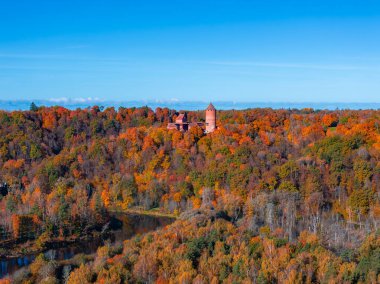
{"type": "Point", "coordinates": [287, 65]}
{"type": "Point", "coordinates": [59, 100]}
{"type": "Point", "coordinates": [84, 100]}
{"type": "Point", "coordinates": [75, 100]}
{"type": "Point", "coordinates": [171, 100]}
{"type": "Point", "coordinates": [29, 56]}
{"type": "Point", "coordinates": [63, 57]}
{"type": "Point", "coordinates": [34, 68]}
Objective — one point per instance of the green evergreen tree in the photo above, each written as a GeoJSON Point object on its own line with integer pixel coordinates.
{"type": "Point", "coordinates": [33, 107]}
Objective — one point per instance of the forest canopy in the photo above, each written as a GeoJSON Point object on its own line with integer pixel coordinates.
{"type": "Point", "coordinates": [263, 197]}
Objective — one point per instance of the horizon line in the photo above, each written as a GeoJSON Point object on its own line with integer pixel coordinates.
{"type": "Point", "coordinates": [85, 100]}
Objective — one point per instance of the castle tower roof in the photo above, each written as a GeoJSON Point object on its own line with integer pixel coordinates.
{"type": "Point", "coordinates": [210, 107]}
{"type": "Point", "coordinates": [182, 118]}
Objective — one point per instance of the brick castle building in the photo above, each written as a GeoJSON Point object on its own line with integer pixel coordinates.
{"type": "Point", "coordinates": [182, 124]}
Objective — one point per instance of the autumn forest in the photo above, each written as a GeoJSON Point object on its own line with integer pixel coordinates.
{"type": "Point", "coordinates": [271, 196]}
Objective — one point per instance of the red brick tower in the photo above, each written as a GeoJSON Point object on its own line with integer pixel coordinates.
{"type": "Point", "coordinates": [210, 118]}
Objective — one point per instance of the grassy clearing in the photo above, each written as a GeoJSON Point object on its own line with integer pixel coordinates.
{"type": "Point", "coordinates": [152, 212]}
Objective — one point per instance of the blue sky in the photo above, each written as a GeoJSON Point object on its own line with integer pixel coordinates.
{"type": "Point", "coordinates": [276, 51]}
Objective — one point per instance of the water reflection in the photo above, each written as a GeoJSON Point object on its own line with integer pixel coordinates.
{"type": "Point", "coordinates": [130, 225]}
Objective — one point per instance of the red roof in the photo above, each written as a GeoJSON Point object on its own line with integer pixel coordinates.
{"type": "Point", "coordinates": [210, 107]}
{"type": "Point", "coordinates": [172, 126]}
{"type": "Point", "coordinates": [181, 118]}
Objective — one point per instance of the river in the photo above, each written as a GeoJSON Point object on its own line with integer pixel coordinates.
{"type": "Point", "coordinates": [131, 225]}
